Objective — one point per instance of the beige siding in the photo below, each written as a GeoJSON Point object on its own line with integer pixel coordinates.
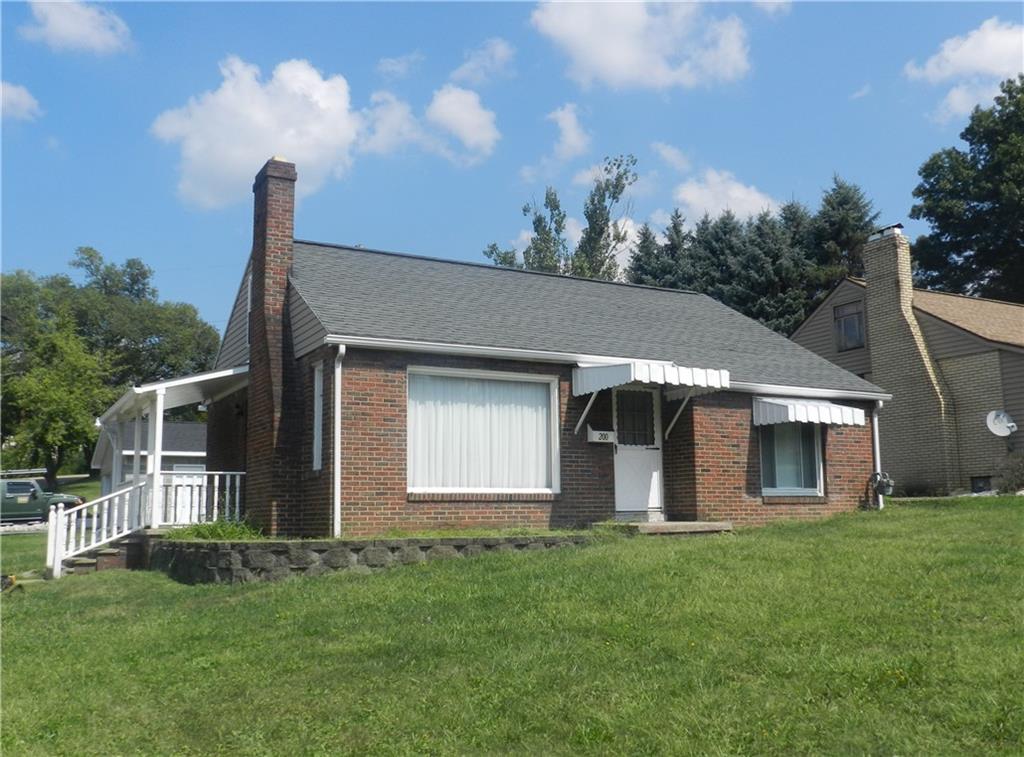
{"type": "Point", "coordinates": [307, 331]}
{"type": "Point", "coordinates": [976, 387]}
{"type": "Point", "coordinates": [234, 349]}
{"type": "Point", "coordinates": [945, 340]}
{"type": "Point", "coordinates": [1012, 365]}
{"type": "Point", "coordinates": [817, 333]}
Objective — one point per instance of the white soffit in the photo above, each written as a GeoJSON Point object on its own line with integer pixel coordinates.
{"type": "Point", "coordinates": [769, 410]}
{"type": "Point", "coordinates": [593, 378]}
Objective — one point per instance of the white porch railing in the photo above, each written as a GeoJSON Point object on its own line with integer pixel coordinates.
{"type": "Point", "coordinates": [184, 498]}
{"type": "Point", "coordinates": [201, 496]}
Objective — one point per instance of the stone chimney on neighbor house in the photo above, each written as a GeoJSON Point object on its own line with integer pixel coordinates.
{"type": "Point", "coordinates": [918, 425]}
{"type": "Point", "coordinates": [269, 476]}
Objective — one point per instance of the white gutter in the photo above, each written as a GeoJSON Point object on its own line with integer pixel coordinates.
{"type": "Point", "coordinates": [512, 353]}
{"type": "Point", "coordinates": [336, 445]}
{"type": "Point", "coordinates": [876, 449]}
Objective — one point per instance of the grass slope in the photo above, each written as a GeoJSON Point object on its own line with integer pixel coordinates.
{"type": "Point", "coordinates": [892, 632]}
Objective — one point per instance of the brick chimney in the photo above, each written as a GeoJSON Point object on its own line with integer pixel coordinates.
{"type": "Point", "coordinates": [268, 470]}
{"type": "Point", "coordinates": [918, 426]}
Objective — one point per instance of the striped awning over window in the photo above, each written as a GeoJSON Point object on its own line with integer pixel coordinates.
{"type": "Point", "coordinates": [769, 410]}
{"type": "Point", "coordinates": [594, 378]}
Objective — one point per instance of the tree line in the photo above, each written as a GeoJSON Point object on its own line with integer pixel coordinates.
{"type": "Point", "coordinates": [777, 266]}
{"type": "Point", "coordinates": [69, 350]}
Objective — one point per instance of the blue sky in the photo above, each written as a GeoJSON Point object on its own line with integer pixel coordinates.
{"type": "Point", "coordinates": [136, 128]}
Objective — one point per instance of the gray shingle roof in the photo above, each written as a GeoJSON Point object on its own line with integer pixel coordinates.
{"type": "Point", "coordinates": [359, 292]}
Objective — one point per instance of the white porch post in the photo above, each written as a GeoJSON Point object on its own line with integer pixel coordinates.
{"type": "Point", "coordinates": [117, 459]}
{"type": "Point", "coordinates": [135, 499]}
{"type": "Point", "coordinates": [154, 460]}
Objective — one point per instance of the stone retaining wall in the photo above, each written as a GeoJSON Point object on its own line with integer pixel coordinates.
{"type": "Point", "coordinates": [236, 562]}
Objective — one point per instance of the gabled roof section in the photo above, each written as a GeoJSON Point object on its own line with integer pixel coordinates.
{"type": "Point", "coordinates": [356, 292]}
{"type": "Point", "coordinates": [234, 347]}
{"type": "Point", "coordinates": [994, 320]}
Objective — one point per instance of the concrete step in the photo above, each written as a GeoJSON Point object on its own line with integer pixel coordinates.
{"type": "Point", "coordinates": [684, 528]}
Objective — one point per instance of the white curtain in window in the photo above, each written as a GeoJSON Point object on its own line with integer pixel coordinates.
{"type": "Point", "coordinates": [473, 433]}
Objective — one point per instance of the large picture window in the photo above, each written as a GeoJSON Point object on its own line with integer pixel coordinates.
{"type": "Point", "coordinates": [482, 431]}
{"type": "Point", "coordinates": [791, 462]}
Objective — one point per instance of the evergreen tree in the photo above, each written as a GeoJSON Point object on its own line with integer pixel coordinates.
{"type": "Point", "coordinates": [842, 225]}
{"type": "Point", "coordinates": [648, 264]}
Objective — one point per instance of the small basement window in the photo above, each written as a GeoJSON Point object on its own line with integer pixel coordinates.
{"type": "Point", "coordinates": [791, 460]}
{"type": "Point", "coordinates": [849, 326]}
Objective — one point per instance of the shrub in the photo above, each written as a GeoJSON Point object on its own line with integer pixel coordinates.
{"type": "Point", "coordinates": [1011, 475]}
{"type": "Point", "coordinates": [218, 530]}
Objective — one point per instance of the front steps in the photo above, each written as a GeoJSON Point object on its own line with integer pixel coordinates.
{"type": "Point", "coordinates": [116, 555]}
{"type": "Point", "coordinates": [684, 527]}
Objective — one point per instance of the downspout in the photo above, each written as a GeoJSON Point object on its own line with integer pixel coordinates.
{"type": "Point", "coordinates": [876, 450]}
{"type": "Point", "coordinates": [336, 445]}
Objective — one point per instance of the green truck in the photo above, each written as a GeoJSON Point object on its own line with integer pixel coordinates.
{"type": "Point", "coordinates": [23, 499]}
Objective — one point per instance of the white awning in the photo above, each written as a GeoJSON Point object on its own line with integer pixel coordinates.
{"type": "Point", "coordinates": [768, 410]}
{"type": "Point", "coordinates": [593, 378]}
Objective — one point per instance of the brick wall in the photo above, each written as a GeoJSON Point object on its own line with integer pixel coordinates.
{"type": "Point", "coordinates": [374, 496]}
{"type": "Point", "coordinates": [724, 482]}
{"type": "Point", "coordinates": [918, 427]}
{"type": "Point", "coordinates": [225, 433]}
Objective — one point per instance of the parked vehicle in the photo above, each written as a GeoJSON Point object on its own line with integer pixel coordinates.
{"type": "Point", "coordinates": [23, 499]}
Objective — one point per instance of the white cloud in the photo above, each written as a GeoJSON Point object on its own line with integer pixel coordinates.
{"type": "Point", "coordinates": [18, 103]}
{"type": "Point", "coordinates": [774, 7]}
{"type": "Point", "coordinates": [73, 25]}
{"type": "Point", "coordinates": [974, 63]}
{"type": "Point", "coordinates": [573, 140]}
{"type": "Point", "coordinates": [225, 134]}
{"type": "Point", "coordinates": [587, 176]}
{"type": "Point", "coordinates": [660, 218]}
{"type": "Point", "coordinates": [391, 125]}
{"type": "Point", "coordinates": [647, 46]}
{"type": "Point", "coordinates": [962, 98]}
{"type": "Point", "coordinates": [400, 66]}
{"type": "Point", "coordinates": [717, 191]}
{"type": "Point", "coordinates": [459, 112]}
{"type": "Point", "coordinates": [573, 231]}
{"type": "Point", "coordinates": [862, 92]}
{"type": "Point", "coordinates": [994, 49]}
{"type": "Point", "coordinates": [672, 156]}
{"type": "Point", "coordinates": [491, 59]}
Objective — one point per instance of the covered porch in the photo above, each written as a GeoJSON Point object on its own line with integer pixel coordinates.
{"type": "Point", "coordinates": [146, 494]}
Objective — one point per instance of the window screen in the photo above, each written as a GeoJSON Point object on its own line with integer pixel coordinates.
{"type": "Point", "coordinates": [635, 412]}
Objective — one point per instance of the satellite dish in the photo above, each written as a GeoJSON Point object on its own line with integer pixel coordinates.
{"type": "Point", "coordinates": [1000, 423]}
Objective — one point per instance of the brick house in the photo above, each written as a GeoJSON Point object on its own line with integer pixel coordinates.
{"type": "Point", "coordinates": [949, 360]}
{"type": "Point", "coordinates": [361, 391]}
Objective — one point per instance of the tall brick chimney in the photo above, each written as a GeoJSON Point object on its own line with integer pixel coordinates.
{"type": "Point", "coordinates": [918, 426]}
{"type": "Point", "coordinates": [268, 473]}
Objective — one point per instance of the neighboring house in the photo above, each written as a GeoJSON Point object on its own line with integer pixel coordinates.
{"type": "Point", "coordinates": [184, 450]}
{"type": "Point", "coordinates": [363, 391]}
{"type": "Point", "coordinates": [947, 359]}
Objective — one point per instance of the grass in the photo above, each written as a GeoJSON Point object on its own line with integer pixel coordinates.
{"type": "Point", "coordinates": [22, 552]}
{"type": "Point", "coordinates": [88, 488]}
{"type": "Point", "coordinates": [895, 632]}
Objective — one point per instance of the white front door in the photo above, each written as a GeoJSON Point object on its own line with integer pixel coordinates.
{"type": "Point", "coordinates": [637, 417]}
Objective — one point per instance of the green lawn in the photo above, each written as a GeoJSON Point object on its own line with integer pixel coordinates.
{"type": "Point", "coordinates": [89, 488]}
{"type": "Point", "coordinates": [891, 633]}
{"type": "Point", "coordinates": [21, 552]}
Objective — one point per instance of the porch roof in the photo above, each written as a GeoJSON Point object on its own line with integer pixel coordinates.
{"type": "Point", "coordinates": [770, 410]}
{"type": "Point", "coordinates": [593, 378]}
{"type": "Point", "coordinates": [188, 390]}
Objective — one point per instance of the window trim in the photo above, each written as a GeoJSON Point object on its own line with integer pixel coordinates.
{"type": "Point", "coordinates": [797, 491]}
{"type": "Point", "coordinates": [554, 432]}
{"type": "Point", "coordinates": [318, 415]}
{"type": "Point", "coordinates": [836, 331]}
